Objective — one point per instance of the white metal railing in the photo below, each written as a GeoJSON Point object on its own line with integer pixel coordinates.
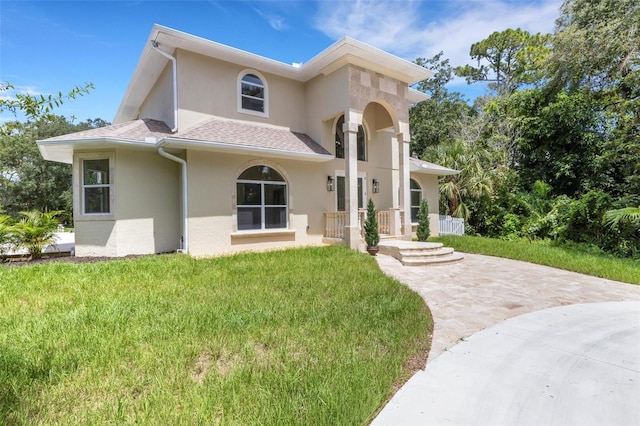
{"type": "Point", "coordinates": [451, 225]}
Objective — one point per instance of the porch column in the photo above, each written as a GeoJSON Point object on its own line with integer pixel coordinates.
{"type": "Point", "coordinates": [352, 230]}
{"type": "Point", "coordinates": [405, 169]}
{"type": "Point", "coordinates": [396, 223]}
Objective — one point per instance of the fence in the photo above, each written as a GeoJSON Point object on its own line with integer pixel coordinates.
{"type": "Point", "coordinates": [451, 225]}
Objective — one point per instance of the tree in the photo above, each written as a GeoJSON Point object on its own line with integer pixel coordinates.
{"type": "Point", "coordinates": [510, 57]}
{"type": "Point", "coordinates": [473, 182]}
{"type": "Point", "coordinates": [561, 141]}
{"type": "Point", "coordinates": [27, 181]}
{"type": "Point", "coordinates": [423, 232]}
{"type": "Point", "coordinates": [35, 107]}
{"type": "Point", "coordinates": [371, 234]}
{"type": "Point", "coordinates": [596, 47]}
{"type": "Point", "coordinates": [435, 120]}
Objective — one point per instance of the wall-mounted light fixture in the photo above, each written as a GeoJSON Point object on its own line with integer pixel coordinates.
{"type": "Point", "coordinates": [329, 183]}
{"type": "Point", "coordinates": [375, 186]}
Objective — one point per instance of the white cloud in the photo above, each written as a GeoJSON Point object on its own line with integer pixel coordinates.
{"type": "Point", "coordinates": [276, 22]}
{"type": "Point", "coordinates": [413, 28]}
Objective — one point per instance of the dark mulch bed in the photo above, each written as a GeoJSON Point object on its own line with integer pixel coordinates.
{"type": "Point", "coordinates": [26, 261]}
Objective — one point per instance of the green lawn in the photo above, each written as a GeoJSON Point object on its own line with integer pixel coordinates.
{"type": "Point", "coordinates": [315, 336]}
{"type": "Point", "coordinates": [613, 268]}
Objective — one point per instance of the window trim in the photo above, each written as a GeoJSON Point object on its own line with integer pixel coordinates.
{"type": "Point", "coordinates": [79, 186]}
{"type": "Point", "coordinates": [265, 86]}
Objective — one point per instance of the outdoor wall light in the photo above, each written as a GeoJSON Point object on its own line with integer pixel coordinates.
{"type": "Point", "coordinates": [375, 186]}
{"type": "Point", "coordinates": [329, 183]}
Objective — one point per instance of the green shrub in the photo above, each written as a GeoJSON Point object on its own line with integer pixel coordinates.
{"type": "Point", "coordinates": [371, 235]}
{"type": "Point", "coordinates": [423, 232]}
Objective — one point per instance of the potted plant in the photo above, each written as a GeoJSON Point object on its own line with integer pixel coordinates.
{"type": "Point", "coordinates": [371, 235]}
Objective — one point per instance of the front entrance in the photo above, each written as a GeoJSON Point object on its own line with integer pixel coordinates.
{"type": "Point", "coordinates": [341, 193]}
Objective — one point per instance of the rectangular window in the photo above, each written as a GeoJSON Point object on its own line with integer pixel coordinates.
{"type": "Point", "coordinates": [261, 205]}
{"type": "Point", "coordinates": [96, 186]}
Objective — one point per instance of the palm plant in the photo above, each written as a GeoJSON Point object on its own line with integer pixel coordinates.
{"type": "Point", "coordinates": [473, 181]}
{"type": "Point", "coordinates": [6, 235]}
{"type": "Point", "coordinates": [35, 231]}
{"type": "Point", "coordinates": [630, 215]}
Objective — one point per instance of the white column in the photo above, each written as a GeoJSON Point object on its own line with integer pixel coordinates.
{"type": "Point", "coordinates": [396, 223]}
{"type": "Point", "coordinates": [405, 169]}
{"type": "Point", "coordinates": [352, 230]}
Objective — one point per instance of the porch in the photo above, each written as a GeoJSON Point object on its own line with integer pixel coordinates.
{"type": "Point", "coordinates": [335, 223]}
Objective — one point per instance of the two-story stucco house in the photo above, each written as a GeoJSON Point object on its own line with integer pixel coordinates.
{"type": "Point", "coordinates": [215, 150]}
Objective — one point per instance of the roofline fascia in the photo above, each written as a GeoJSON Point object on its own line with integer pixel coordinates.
{"type": "Point", "coordinates": [241, 149]}
{"type": "Point", "coordinates": [115, 141]}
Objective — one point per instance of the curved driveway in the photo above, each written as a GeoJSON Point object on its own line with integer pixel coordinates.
{"type": "Point", "coordinates": [576, 364]}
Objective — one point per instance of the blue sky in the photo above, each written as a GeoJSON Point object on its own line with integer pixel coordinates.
{"type": "Point", "coordinates": [51, 46]}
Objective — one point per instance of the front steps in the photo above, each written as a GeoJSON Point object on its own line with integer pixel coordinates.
{"type": "Point", "coordinates": [417, 253]}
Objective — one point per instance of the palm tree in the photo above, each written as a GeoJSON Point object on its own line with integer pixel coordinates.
{"type": "Point", "coordinates": [473, 181]}
{"type": "Point", "coordinates": [35, 231]}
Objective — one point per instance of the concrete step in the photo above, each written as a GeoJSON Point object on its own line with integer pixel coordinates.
{"type": "Point", "coordinates": [441, 251]}
{"type": "Point", "coordinates": [414, 253]}
{"type": "Point", "coordinates": [438, 260]}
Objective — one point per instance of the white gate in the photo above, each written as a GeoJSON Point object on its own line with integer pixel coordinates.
{"type": "Point", "coordinates": [451, 225]}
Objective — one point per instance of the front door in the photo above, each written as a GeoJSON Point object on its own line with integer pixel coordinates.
{"type": "Point", "coordinates": [341, 193]}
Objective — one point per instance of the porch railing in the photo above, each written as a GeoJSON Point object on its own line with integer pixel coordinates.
{"type": "Point", "coordinates": [335, 223]}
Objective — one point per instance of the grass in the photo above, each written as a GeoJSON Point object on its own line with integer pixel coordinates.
{"type": "Point", "coordinates": [544, 253]}
{"type": "Point", "coordinates": [307, 336]}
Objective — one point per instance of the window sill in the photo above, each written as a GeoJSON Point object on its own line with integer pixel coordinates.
{"type": "Point", "coordinates": [263, 233]}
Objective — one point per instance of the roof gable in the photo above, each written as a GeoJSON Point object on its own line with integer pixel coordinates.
{"type": "Point", "coordinates": [345, 51]}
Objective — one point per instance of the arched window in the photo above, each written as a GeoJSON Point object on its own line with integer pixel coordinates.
{"type": "Point", "coordinates": [252, 93]}
{"type": "Point", "coordinates": [416, 198]}
{"type": "Point", "coordinates": [261, 199]}
{"type": "Point", "coordinates": [362, 141]}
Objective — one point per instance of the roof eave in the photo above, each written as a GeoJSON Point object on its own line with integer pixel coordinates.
{"type": "Point", "coordinates": [61, 151]}
{"type": "Point", "coordinates": [242, 149]}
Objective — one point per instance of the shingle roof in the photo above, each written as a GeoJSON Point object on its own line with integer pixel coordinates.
{"type": "Point", "coordinates": [214, 130]}
{"type": "Point", "coordinates": [251, 135]}
{"type": "Point", "coordinates": [136, 130]}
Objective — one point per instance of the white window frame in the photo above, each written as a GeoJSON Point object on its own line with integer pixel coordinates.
{"type": "Point", "coordinates": [411, 191]}
{"type": "Point", "coordinates": [263, 206]}
{"type": "Point", "coordinates": [79, 186]}
{"type": "Point", "coordinates": [265, 86]}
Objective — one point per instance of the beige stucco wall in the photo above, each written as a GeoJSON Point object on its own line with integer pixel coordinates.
{"type": "Point", "coordinates": [209, 86]}
{"type": "Point", "coordinates": [212, 188]}
{"type": "Point", "coordinates": [145, 210]}
{"type": "Point", "coordinates": [429, 185]}
{"type": "Point", "coordinates": [159, 102]}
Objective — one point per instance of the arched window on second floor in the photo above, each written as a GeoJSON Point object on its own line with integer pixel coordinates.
{"type": "Point", "coordinates": [340, 144]}
{"type": "Point", "coordinates": [253, 93]}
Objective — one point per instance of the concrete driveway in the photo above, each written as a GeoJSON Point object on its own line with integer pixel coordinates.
{"type": "Point", "coordinates": [559, 364]}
